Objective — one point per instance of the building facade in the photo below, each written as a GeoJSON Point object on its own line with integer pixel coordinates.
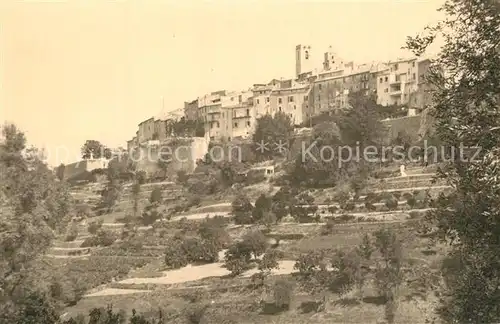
{"type": "Point", "coordinates": [191, 110]}
{"type": "Point", "coordinates": [331, 89]}
{"type": "Point", "coordinates": [403, 83]}
{"type": "Point", "coordinates": [291, 98]}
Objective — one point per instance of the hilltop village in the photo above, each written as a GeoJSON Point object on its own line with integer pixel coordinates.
{"type": "Point", "coordinates": [257, 206]}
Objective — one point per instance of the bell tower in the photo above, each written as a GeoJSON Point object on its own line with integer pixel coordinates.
{"type": "Point", "coordinates": [303, 60]}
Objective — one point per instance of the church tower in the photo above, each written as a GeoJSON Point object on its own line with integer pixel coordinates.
{"type": "Point", "coordinates": [303, 60]}
{"type": "Point", "coordinates": [331, 60]}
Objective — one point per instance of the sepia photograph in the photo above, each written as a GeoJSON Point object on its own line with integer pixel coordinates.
{"type": "Point", "coordinates": [249, 162]}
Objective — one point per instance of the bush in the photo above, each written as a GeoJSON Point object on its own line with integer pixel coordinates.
{"type": "Point", "coordinates": [150, 215]}
{"type": "Point", "coordinates": [283, 291]}
{"type": "Point", "coordinates": [194, 201]}
{"type": "Point", "coordinates": [156, 195]}
{"type": "Point", "coordinates": [391, 203]}
{"type": "Point", "coordinates": [328, 228]}
{"type": "Point", "coordinates": [72, 233]}
{"type": "Point", "coordinates": [411, 202]}
{"type": "Point", "coordinates": [102, 238]}
{"type": "Point", "coordinates": [175, 256]}
{"type": "Point", "coordinates": [94, 227]}
{"type": "Point", "coordinates": [332, 209]}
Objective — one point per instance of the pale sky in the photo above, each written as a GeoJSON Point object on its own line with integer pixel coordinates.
{"type": "Point", "coordinates": [77, 70]}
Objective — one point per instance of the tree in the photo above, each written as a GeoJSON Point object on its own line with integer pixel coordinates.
{"type": "Point", "coordinates": [262, 207]}
{"type": "Point", "coordinates": [33, 207]}
{"type": "Point", "coordinates": [316, 165]}
{"type": "Point", "coordinates": [388, 275]}
{"type": "Point", "coordinates": [283, 201]}
{"type": "Point", "coordinates": [270, 132]}
{"type": "Point", "coordinates": [156, 195]}
{"type": "Point", "coordinates": [465, 106]}
{"type": "Point", "coordinates": [60, 172]}
{"type": "Point", "coordinates": [242, 210]}
{"type": "Point", "coordinates": [95, 149]}
{"type": "Point", "coordinates": [361, 123]}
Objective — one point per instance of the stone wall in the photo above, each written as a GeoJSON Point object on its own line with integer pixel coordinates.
{"type": "Point", "coordinates": [181, 154]}
{"type": "Point", "coordinates": [409, 124]}
{"type": "Point", "coordinates": [76, 169]}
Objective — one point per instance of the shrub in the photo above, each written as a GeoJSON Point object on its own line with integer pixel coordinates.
{"type": "Point", "coordinates": [141, 177]}
{"type": "Point", "coordinates": [95, 226]}
{"type": "Point", "coordinates": [370, 206]}
{"type": "Point", "coordinates": [194, 201]}
{"type": "Point", "coordinates": [156, 195]}
{"type": "Point", "coordinates": [175, 256]}
{"type": "Point", "coordinates": [72, 233]}
{"type": "Point", "coordinates": [411, 202]}
{"type": "Point", "coordinates": [328, 228]}
{"type": "Point", "coordinates": [416, 214]}
{"type": "Point", "coordinates": [102, 238]}
{"type": "Point", "coordinates": [182, 177]}
{"type": "Point", "coordinates": [349, 206]}
{"type": "Point", "coordinates": [391, 203]}
{"type": "Point", "coordinates": [283, 292]}
{"type": "Point", "coordinates": [150, 215]}
{"type": "Point", "coordinates": [332, 209]}
{"type": "Point", "coordinates": [342, 198]}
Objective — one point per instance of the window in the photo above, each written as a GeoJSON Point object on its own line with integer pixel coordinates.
{"type": "Point", "coordinates": [248, 112]}
{"type": "Point", "coordinates": [381, 79]}
{"type": "Point", "coordinates": [239, 98]}
{"type": "Point", "coordinates": [290, 99]}
{"type": "Point", "coordinates": [279, 108]}
{"type": "Point", "coordinates": [413, 64]}
{"type": "Point", "coordinates": [305, 98]}
{"type": "Point", "coordinates": [319, 86]}
{"type": "Point", "coordinates": [236, 125]}
{"type": "Point", "coordinates": [218, 125]}
{"type": "Point", "coordinates": [248, 123]}
{"type": "Point", "coordinates": [232, 98]}
{"type": "Point", "coordinates": [386, 79]}
{"type": "Point", "coordinates": [386, 90]}
{"type": "Point", "coordinates": [294, 107]}
{"type": "Point", "coordinates": [257, 101]}
{"type": "Point", "coordinates": [267, 99]}
{"type": "Point", "coordinates": [279, 100]}
{"type": "Point", "coordinates": [229, 138]}
{"type": "Point", "coordinates": [413, 77]}
{"type": "Point", "coordinates": [396, 67]}
{"type": "Point", "coordinates": [307, 55]}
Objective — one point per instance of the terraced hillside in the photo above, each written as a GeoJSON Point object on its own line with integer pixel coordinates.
{"type": "Point", "coordinates": [131, 273]}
